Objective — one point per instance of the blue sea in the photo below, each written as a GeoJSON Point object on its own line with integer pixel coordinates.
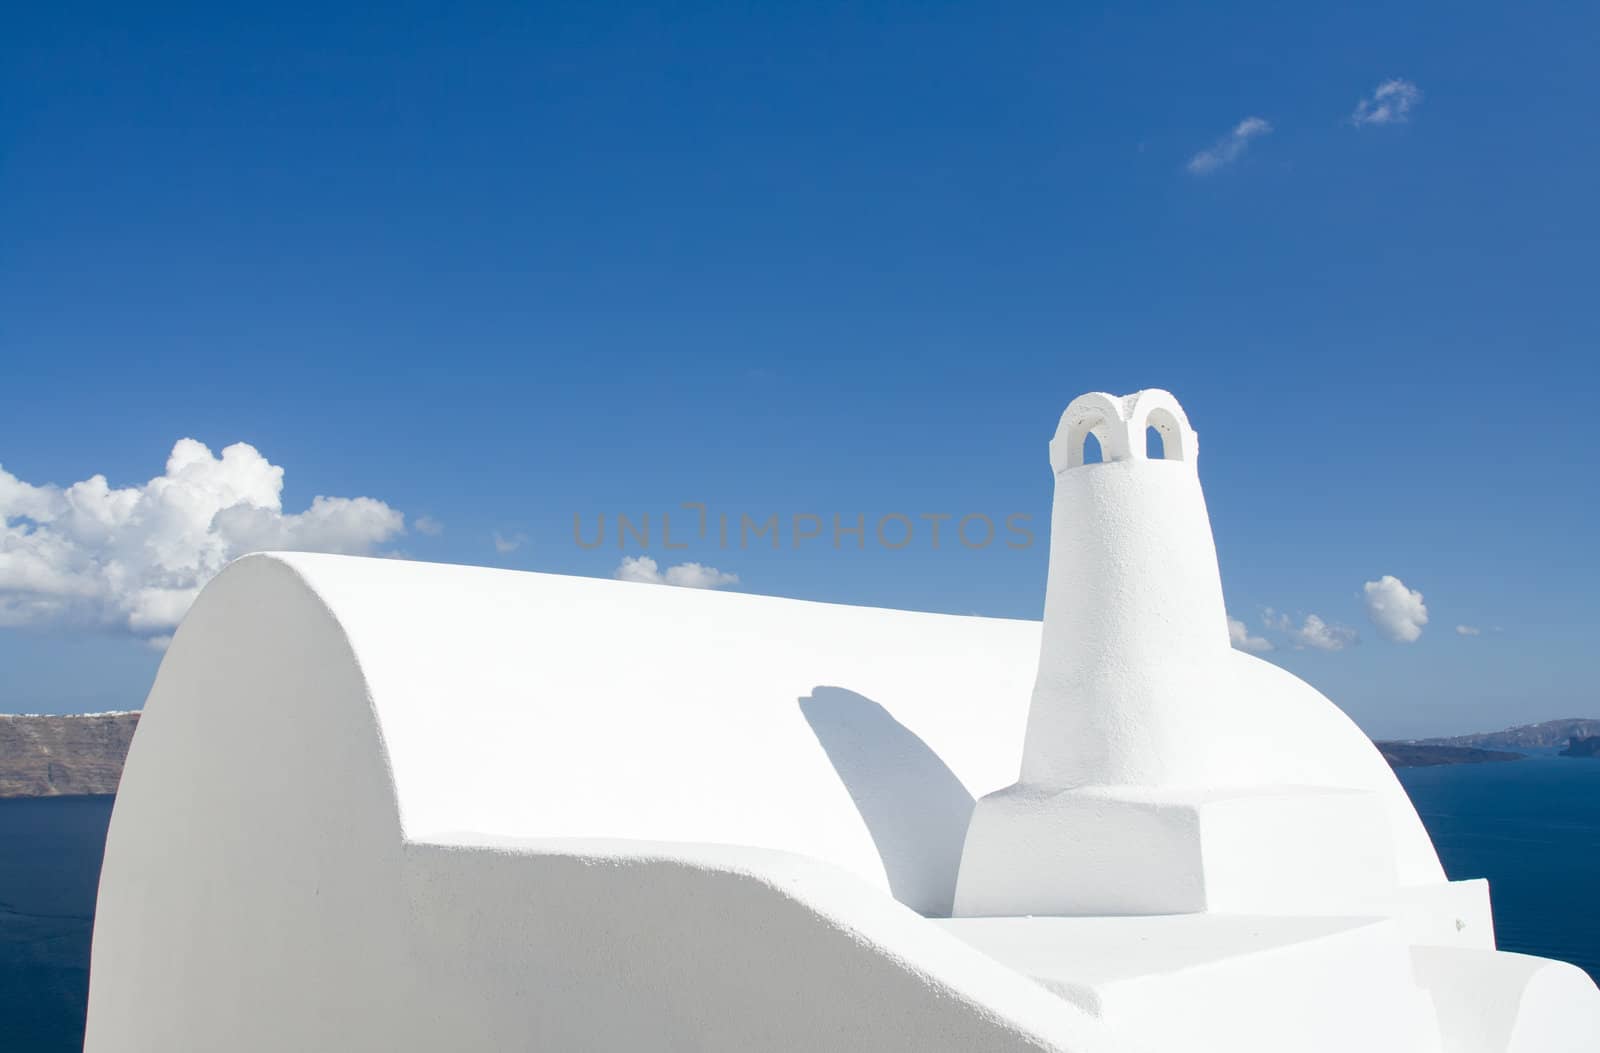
{"type": "Point", "coordinates": [50, 852]}
{"type": "Point", "coordinates": [1531, 827]}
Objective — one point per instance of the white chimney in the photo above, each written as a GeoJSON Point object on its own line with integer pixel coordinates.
{"type": "Point", "coordinates": [1134, 621]}
{"type": "Point", "coordinates": [1147, 785]}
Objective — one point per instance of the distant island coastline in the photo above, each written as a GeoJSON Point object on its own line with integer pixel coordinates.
{"type": "Point", "coordinates": [81, 754]}
{"type": "Point", "coordinates": [1486, 747]}
{"type": "Point", "coordinates": [1427, 755]}
{"type": "Point", "coordinates": [1580, 736]}
{"type": "Point", "coordinates": [1547, 735]}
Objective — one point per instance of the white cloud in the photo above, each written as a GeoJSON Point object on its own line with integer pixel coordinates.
{"type": "Point", "coordinates": [428, 525]}
{"type": "Point", "coordinates": [1468, 630]}
{"type": "Point", "coordinates": [504, 544]}
{"type": "Point", "coordinates": [1397, 611]}
{"type": "Point", "coordinates": [135, 558]}
{"type": "Point", "coordinates": [1321, 635]}
{"type": "Point", "coordinates": [699, 576]}
{"type": "Point", "coordinates": [1230, 147]}
{"type": "Point", "coordinates": [689, 575]}
{"type": "Point", "coordinates": [1313, 632]}
{"type": "Point", "coordinates": [1390, 103]}
{"type": "Point", "coordinates": [1239, 636]}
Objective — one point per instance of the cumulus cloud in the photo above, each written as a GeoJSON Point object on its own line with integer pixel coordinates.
{"type": "Point", "coordinates": [688, 575]}
{"type": "Point", "coordinates": [428, 525]}
{"type": "Point", "coordinates": [1397, 611]}
{"type": "Point", "coordinates": [1468, 630]}
{"type": "Point", "coordinates": [505, 544]}
{"type": "Point", "coordinates": [1390, 103]}
{"type": "Point", "coordinates": [1321, 635]}
{"type": "Point", "coordinates": [1314, 632]}
{"type": "Point", "coordinates": [1230, 147]}
{"type": "Point", "coordinates": [1239, 635]}
{"type": "Point", "coordinates": [135, 558]}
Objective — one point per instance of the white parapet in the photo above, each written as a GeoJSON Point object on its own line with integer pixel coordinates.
{"type": "Point", "coordinates": [1499, 1002]}
{"type": "Point", "coordinates": [1226, 983]}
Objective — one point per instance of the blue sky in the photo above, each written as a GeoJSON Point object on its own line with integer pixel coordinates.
{"type": "Point", "coordinates": [499, 267]}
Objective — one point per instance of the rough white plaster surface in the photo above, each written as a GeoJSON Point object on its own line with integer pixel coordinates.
{"type": "Point", "coordinates": [487, 810]}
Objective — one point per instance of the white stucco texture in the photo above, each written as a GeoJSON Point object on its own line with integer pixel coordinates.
{"type": "Point", "coordinates": [385, 805]}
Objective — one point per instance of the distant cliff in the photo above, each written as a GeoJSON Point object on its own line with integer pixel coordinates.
{"type": "Point", "coordinates": [1428, 755]}
{"type": "Point", "coordinates": [1589, 747]}
{"type": "Point", "coordinates": [46, 756]}
{"type": "Point", "coordinates": [1551, 734]}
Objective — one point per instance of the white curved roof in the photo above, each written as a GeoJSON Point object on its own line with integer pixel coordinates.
{"type": "Point", "coordinates": [534, 705]}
